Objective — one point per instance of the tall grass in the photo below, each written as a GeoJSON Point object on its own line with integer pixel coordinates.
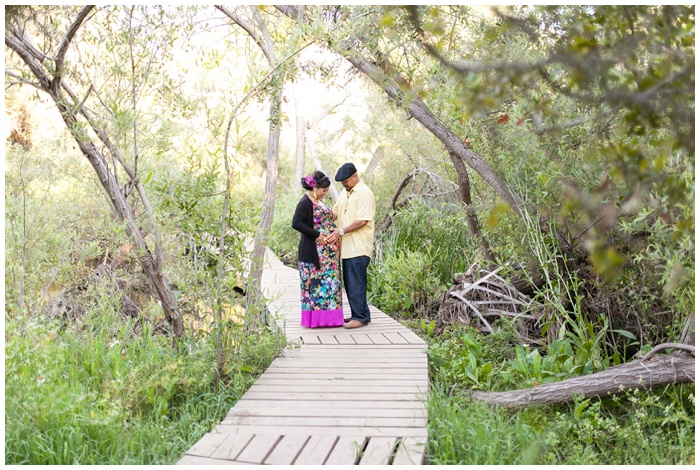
{"type": "Point", "coordinates": [106, 395]}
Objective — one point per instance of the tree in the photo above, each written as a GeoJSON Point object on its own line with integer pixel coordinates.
{"type": "Point", "coordinates": [258, 31]}
{"type": "Point", "coordinates": [50, 71]}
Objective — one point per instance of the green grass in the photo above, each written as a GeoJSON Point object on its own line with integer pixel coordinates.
{"type": "Point", "coordinates": [102, 395]}
{"type": "Point", "coordinates": [641, 429]}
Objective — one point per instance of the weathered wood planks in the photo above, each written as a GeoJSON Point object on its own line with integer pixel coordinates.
{"type": "Point", "coordinates": [333, 397]}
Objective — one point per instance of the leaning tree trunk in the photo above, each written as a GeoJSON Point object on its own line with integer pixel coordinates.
{"type": "Point", "coordinates": [258, 31]}
{"type": "Point", "coordinates": [69, 108]}
{"type": "Point", "coordinates": [466, 198]}
{"type": "Point", "coordinates": [255, 318]}
{"type": "Point", "coordinates": [649, 372]}
{"type": "Point", "coordinates": [660, 371]}
{"type": "Point", "coordinates": [418, 109]}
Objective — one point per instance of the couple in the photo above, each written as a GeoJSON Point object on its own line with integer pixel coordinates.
{"type": "Point", "coordinates": [327, 235]}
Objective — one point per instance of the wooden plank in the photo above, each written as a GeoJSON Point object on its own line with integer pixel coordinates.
{"type": "Point", "coordinates": [278, 395]}
{"type": "Point", "coordinates": [411, 337]}
{"type": "Point", "coordinates": [311, 340]}
{"type": "Point", "coordinates": [378, 338]}
{"type": "Point", "coordinates": [335, 404]}
{"type": "Point", "coordinates": [327, 410]}
{"type": "Point", "coordinates": [410, 451]}
{"type": "Point", "coordinates": [316, 450]}
{"type": "Point", "coordinates": [390, 384]}
{"type": "Point", "coordinates": [378, 451]}
{"type": "Point", "coordinates": [350, 387]}
{"type": "Point", "coordinates": [332, 372]}
{"type": "Point", "coordinates": [350, 365]}
{"type": "Point", "coordinates": [365, 349]}
{"type": "Point", "coordinates": [324, 421]}
{"type": "Point", "coordinates": [388, 360]}
{"type": "Point", "coordinates": [324, 430]}
{"type": "Point", "coordinates": [362, 338]}
{"type": "Point", "coordinates": [395, 338]}
{"type": "Point", "coordinates": [326, 339]}
{"type": "Point", "coordinates": [194, 460]}
{"type": "Point", "coordinates": [286, 451]}
{"type": "Point", "coordinates": [208, 443]}
{"type": "Point", "coordinates": [345, 339]}
{"type": "Point", "coordinates": [232, 446]}
{"type": "Point", "coordinates": [394, 350]}
{"type": "Point", "coordinates": [347, 450]}
{"type": "Point", "coordinates": [258, 448]}
{"type": "Point", "coordinates": [397, 347]}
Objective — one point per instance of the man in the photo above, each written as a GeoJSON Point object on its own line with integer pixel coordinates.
{"type": "Point", "coordinates": [354, 218]}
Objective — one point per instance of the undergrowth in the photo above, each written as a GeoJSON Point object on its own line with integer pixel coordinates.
{"type": "Point", "coordinates": [661, 423]}
{"type": "Point", "coordinates": [102, 394]}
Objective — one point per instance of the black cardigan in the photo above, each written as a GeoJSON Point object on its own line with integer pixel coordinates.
{"type": "Point", "coordinates": [303, 221]}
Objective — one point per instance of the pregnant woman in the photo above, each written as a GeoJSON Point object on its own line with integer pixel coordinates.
{"type": "Point", "coordinates": [319, 259]}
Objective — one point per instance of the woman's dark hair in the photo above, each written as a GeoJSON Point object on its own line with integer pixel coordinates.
{"type": "Point", "coordinates": [316, 179]}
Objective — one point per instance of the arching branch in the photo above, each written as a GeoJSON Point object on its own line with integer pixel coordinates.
{"type": "Point", "coordinates": [63, 49]}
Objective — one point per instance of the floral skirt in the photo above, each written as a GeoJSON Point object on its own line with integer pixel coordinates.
{"type": "Point", "coordinates": [321, 298]}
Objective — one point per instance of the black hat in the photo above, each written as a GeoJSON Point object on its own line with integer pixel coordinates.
{"type": "Point", "coordinates": [345, 172]}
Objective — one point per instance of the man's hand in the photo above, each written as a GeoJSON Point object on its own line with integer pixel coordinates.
{"type": "Point", "coordinates": [334, 236]}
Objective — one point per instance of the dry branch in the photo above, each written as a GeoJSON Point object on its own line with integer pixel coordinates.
{"type": "Point", "coordinates": [480, 293]}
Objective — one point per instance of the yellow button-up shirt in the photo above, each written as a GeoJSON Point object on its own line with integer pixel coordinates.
{"type": "Point", "coordinates": [356, 204]}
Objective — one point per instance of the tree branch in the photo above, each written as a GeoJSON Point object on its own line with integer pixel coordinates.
{"type": "Point", "coordinates": [63, 49]}
{"type": "Point", "coordinates": [21, 80]}
{"type": "Point", "coordinates": [248, 29]}
{"type": "Point", "coordinates": [661, 347]}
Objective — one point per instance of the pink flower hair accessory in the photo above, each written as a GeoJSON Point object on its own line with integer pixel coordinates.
{"type": "Point", "coordinates": [310, 181]}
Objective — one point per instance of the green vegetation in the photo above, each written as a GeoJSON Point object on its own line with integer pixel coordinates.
{"type": "Point", "coordinates": [110, 392]}
{"type": "Point", "coordinates": [588, 432]}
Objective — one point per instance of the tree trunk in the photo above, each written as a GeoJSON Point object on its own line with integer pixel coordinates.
{"type": "Point", "coordinates": [454, 144]}
{"type": "Point", "coordinates": [263, 39]}
{"type": "Point", "coordinates": [660, 371]}
{"type": "Point", "coordinates": [152, 264]}
{"type": "Point", "coordinates": [256, 318]}
{"type": "Point", "coordinates": [466, 198]}
{"type": "Point", "coordinates": [301, 138]}
{"type": "Point", "coordinates": [377, 157]}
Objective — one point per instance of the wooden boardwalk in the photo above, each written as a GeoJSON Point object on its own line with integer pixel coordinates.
{"type": "Point", "coordinates": [334, 397]}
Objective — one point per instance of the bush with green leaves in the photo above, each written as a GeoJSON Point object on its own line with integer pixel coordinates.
{"type": "Point", "coordinates": [417, 256]}
{"type": "Point", "coordinates": [404, 285]}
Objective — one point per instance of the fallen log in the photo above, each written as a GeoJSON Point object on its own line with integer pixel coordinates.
{"type": "Point", "coordinates": [660, 371]}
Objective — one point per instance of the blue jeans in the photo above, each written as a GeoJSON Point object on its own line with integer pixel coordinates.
{"type": "Point", "coordinates": [355, 280]}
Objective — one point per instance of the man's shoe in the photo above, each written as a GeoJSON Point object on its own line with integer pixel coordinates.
{"type": "Point", "coordinates": [354, 324]}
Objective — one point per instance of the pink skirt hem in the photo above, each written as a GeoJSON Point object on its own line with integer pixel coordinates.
{"type": "Point", "coordinates": [321, 318]}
